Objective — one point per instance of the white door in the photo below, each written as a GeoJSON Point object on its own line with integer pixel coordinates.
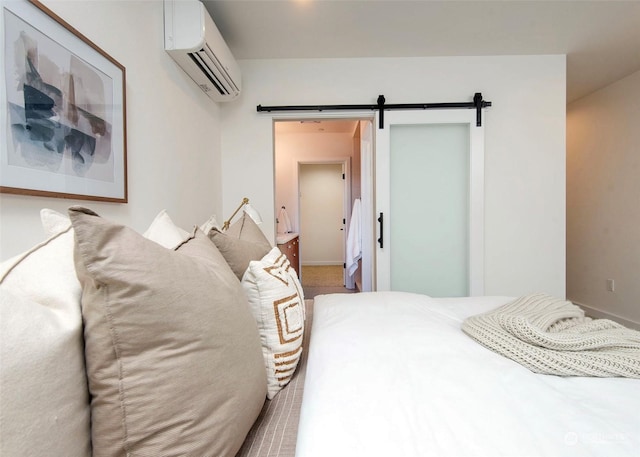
{"type": "Point", "coordinates": [322, 213]}
{"type": "Point", "coordinates": [430, 193]}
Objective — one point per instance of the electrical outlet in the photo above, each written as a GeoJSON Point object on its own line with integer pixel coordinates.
{"type": "Point", "coordinates": [611, 285]}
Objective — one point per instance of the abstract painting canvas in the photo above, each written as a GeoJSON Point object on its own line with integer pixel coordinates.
{"type": "Point", "coordinates": [63, 113]}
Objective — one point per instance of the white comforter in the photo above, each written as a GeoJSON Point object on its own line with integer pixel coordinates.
{"type": "Point", "coordinates": [391, 374]}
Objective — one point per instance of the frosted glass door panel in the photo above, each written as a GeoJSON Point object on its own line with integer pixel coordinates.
{"type": "Point", "coordinates": [430, 203]}
{"type": "Point", "coordinates": [429, 217]}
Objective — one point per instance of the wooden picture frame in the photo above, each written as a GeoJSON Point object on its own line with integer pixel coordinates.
{"type": "Point", "coordinates": [63, 112]}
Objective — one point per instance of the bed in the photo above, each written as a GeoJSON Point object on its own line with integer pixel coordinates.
{"type": "Point", "coordinates": [392, 374]}
{"type": "Point", "coordinates": [384, 374]}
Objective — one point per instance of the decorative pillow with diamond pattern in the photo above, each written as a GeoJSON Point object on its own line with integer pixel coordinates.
{"type": "Point", "coordinates": [277, 302]}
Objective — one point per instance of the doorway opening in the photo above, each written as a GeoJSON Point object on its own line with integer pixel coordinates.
{"type": "Point", "coordinates": [311, 158]}
{"type": "Point", "coordinates": [323, 195]}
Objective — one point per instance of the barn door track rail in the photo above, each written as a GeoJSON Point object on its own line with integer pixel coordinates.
{"type": "Point", "coordinates": [478, 104]}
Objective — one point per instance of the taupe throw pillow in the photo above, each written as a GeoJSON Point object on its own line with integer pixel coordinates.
{"type": "Point", "coordinates": [173, 354]}
{"type": "Point", "coordinates": [247, 230]}
{"type": "Point", "coordinates": [237, 252]}
{"type": "Point", "coordinates": [240, 244]}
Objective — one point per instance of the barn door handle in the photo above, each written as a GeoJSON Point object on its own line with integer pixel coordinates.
{"type": "Point", "coordinates": [381, 239]}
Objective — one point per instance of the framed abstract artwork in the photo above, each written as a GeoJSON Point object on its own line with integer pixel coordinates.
{"type": "Point", "coordinates": [62, 113]}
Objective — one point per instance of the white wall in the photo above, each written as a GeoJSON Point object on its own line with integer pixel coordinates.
{"type": "Point", "coordinates": [172, 128]}
{"type": "Point", "coordinates": [603, 199]}
{"type": "Point", "coordinates": [525, 143]}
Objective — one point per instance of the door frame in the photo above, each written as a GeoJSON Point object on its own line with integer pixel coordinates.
{"type": "Point", "coordinates": [367, 183]}
{"type": "Point", "coordinates": [476, 190]}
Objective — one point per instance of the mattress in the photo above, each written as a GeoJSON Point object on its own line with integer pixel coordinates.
{"type": "Point", "coordinates": [392, 374]}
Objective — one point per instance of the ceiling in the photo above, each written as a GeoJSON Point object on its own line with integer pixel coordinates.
{"type": "Point", "coordinates": [600, 38]}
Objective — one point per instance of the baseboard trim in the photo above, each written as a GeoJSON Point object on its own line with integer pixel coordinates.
{"type": "Point", "coordinates": [598, 314]}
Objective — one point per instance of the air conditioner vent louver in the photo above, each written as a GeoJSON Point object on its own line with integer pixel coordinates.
{"type": "Point", "coordinates": [194, 42]}
{"type": "Point", "coordinates": [197, 59]}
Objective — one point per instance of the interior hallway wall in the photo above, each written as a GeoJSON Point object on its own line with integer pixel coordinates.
{"type": "Point", "coordinates": [173, 135]}
{"type": "Point", "coordinates": [291, 148]}
{"type": "Point", "coordinates": [603, 199]}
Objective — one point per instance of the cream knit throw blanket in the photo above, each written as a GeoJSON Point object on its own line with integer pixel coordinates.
{"type": "Point", "coordinates": [552, 336]}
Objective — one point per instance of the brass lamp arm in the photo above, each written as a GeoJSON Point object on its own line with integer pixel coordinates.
{"type": "Point", "coordinates": [226, 223]}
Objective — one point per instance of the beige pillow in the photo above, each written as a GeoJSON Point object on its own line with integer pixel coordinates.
{"type": "Point", "coordinates": [247, 230]}
{"type": "Point", "coordinates": [277, 302]}
{"type": "Point", "coordinates": [240, 244]}
{"type": "Point", "coordinates": [237, 252]}
{"type": "Point", "coordinates": [44, 401]}
{"type": "Point", "coordinates": [173, 353]}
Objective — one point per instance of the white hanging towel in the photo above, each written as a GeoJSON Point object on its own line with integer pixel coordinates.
{"type": "Point", "coordinates": [354, 239]}
{"type": "Point", "coordinates": [284, 224]}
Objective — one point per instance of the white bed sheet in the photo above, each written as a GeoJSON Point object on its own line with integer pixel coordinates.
{"type": "Point", "coordinates": [391, 374]}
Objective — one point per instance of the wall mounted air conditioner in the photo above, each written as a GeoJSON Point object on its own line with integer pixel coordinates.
{"type": "Point", "coordinates": [194, 42]}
